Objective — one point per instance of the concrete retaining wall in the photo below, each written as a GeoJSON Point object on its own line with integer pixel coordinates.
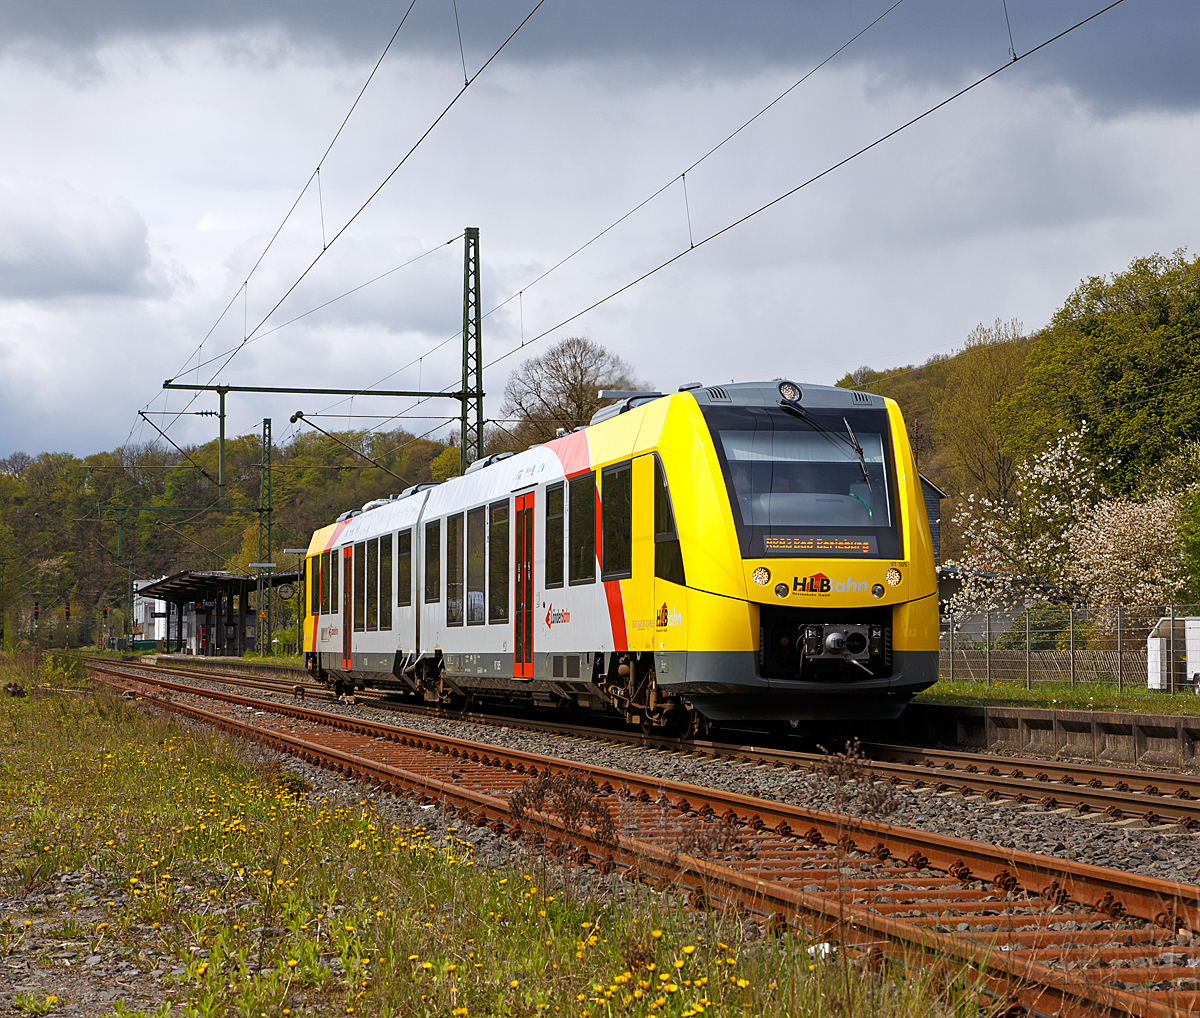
{"type": "Point", "coordinates": [1151, 740]}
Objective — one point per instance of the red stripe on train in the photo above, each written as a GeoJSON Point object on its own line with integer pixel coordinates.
{"type": "Point", "coordinates": [572, 452]}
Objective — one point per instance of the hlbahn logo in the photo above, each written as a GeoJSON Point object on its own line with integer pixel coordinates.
{"type": "Point", "coordinates": [819, 584]}
{"type": "Point", "coordinates": [664, 619]}
{"type": "Point", "coordinates": [822, 584]}
{"type": "Point", "coordinates": [557, 616]}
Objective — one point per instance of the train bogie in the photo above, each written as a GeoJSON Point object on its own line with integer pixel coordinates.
{"type": "Point", "coordinates": [717, 554]}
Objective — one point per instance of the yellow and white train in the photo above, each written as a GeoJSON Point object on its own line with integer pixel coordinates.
{"type": "Point", "coordinates": [750, 551]}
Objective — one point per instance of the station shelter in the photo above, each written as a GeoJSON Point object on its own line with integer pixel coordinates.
{"type": "Point", "coordinates": [209, 613]}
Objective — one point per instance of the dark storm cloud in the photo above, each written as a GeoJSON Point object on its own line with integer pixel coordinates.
{"type": "Point", "coordinates": [1140, 54]}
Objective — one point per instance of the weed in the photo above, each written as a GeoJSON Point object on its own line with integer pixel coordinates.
{"type": "Point", "coordinates": [575, 800]}
{"type": "Point", "coordinates": [27, 1002]}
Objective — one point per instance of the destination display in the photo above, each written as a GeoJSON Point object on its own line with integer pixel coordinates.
{"type": "Point", "coordinates": [812, 544]}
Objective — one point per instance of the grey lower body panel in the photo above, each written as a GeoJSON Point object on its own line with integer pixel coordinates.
{"type": "Point", "coordinates": [726, 686]}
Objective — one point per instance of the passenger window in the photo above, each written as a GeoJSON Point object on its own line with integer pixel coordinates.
{"type": "Point", "coordinates": [476, 563]}
{"type": "Point", "coordinates": [616, 518]}
{"type": "Point", "coordinates": [385, 582]}
{"type": "Point", "coordinates": [325, 583]}
{"type": "Point", "coordinates": [404, 569]}
{"type": "Point", "coordinates": [454, 570]}
{"type": "Point", "coordinates": [554, 535]}
{"type": "Point", "coordinates": [373, 584]}
{"type": "Point", "coordinates": [335, 567]}
{"type": "Point", "coordinates": [360, 587]}
{"type": "Point", "coordinates": [583, 529]}
{"type": "Point", "coordinates": [498, 563]}
{"type": "Point", "coordinates": [668, 557]}
{"type": "Point", "coordinates": [433, 561]}
{"type": "Point", "coordinates": [314, 584]}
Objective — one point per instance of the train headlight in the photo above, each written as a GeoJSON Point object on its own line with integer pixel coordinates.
{"type": "Point", "coordinates": [781, 589]}
{"type": "Point", "coordinates": [790, 392]}
{"type": "Point", "coordinates": [877, 590]}
{"type": "Point", "coordinates": [762, 576]}
{"type": "Point", "coordinates": [893, 577]}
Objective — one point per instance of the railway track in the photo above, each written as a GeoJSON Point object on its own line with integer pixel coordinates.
{"type": "Point", "coordinates": [1111, 795]}
{"type": "Point", "coordinates": [1047, 934]}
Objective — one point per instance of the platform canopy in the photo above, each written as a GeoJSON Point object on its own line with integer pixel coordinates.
{"type": "Point", "coordinates": [198, 586]}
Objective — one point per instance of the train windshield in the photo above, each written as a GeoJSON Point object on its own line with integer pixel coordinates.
{"type": "Point", "coordinates": [799, 487]}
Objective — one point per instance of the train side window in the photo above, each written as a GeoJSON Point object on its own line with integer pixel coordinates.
{"type": "Point", "coordinates": [554, 535]}
{"type": "Point", "coordinates": [335, 567]}
{"type": "Point", "coordinates": [385, 582]}
{"type": "Point", "coordinates": [583, 529]}
{"type": "Point", "coordinates": [668, 558]}
{"type": "Point", "coordinates": [373, 584]}
{"type": "Point", "coordinates": [314, 584]}
{"type": "Point", "coordinates": [360, 587]}
{"type": "Point", "coordinates": [616, 521]}
{"type": "Point", "coordinates": [454, 570]}
{"type": "Point", "coordinates": [404, 569]}
{"type": "Point", "coordinates": [325, 583]}
{"type": "Point", "coordinates": [498, 562]}
{"type": "Point", "coordinates": [433, 561]}
{"type": "Point", "coordinates": [476, 566]}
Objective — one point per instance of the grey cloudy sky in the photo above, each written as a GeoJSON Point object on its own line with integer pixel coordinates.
{"type": "Point", "coordinates": [150, 151]}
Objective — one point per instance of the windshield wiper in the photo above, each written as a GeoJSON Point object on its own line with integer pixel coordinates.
{"type": "Point", "coordinates": [796, 410]}
{"type": "Point", "coordinates": [862, 460]}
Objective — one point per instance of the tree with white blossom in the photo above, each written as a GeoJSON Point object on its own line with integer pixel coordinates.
{"type": "Point", "coordinates": [1129, 553]}
{"type": "Point", "coordinates": [1018, 551]}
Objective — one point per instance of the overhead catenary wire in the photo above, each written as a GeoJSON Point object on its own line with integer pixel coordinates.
{"type": "Point", "coordinates": [711, 151]}
{"type": "Point", "coordinates": [332, 300]}
{"type": "Point", "coordinates": [396, 169]}
{"type": "Point", "coordinates": [308, 183]}
{"type": "Point", "coordinates": [250, 333]}
{"type": "Point", "coordinates": [520, 294]}
{"type": "Point", "coordinates": [806, 183]}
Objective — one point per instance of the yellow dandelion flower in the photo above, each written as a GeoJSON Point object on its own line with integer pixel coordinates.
{"type": "Point", "coordinates": [514, 983]}
{"type": "Point", "coordinates": [292, 963]}
{"type": "Point", "coordinates": [656, 934]}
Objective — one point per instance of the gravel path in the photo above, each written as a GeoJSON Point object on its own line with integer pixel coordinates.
{"type": "Point", "coordinates": [1166, 851]}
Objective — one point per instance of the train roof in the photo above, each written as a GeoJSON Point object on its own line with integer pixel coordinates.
{"type": "Point", "coordinates": [499, 474]}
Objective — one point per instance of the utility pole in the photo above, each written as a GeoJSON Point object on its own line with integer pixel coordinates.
{"type": "Point", "coordinates": [471, 444]}
{"type": "Point", "coordinates": [264, 531]}
{"type": "Point", "coordinates": [221, 446]}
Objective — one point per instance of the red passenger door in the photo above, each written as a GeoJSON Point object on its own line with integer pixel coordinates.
{"type": "Point", "coordinates": [523, 584]}
{"type": "Point", "coordinates": [347, 604]}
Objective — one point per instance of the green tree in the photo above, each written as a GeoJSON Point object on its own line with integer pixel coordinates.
{"type": "Point", "coordinates": [446, 465]}
{"type": "Point", "coordinates": [1119, 362]}
{"type": "Point", "coordinates": [971, 428]}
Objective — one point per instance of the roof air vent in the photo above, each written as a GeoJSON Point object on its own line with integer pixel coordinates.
{"type": "Point", "coordinates": [717, 394]}
{"type": "Point", "coordinates": [862, 397]}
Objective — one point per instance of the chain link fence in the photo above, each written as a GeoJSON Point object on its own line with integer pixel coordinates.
{"type": "Point", "coordinates": [1155, 646]}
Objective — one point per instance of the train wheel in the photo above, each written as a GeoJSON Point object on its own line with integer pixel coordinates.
{"type": "Point", "coordinates": [681, 723]}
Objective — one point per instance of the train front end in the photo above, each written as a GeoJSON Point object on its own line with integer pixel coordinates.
{"type": "Point", "coordinates": [813, 589]}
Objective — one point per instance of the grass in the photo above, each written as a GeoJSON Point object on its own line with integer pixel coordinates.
{"type": "Point", "coordinates": [266, 900]}
{"type": "Point", "coordinates": [1061, 696]}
